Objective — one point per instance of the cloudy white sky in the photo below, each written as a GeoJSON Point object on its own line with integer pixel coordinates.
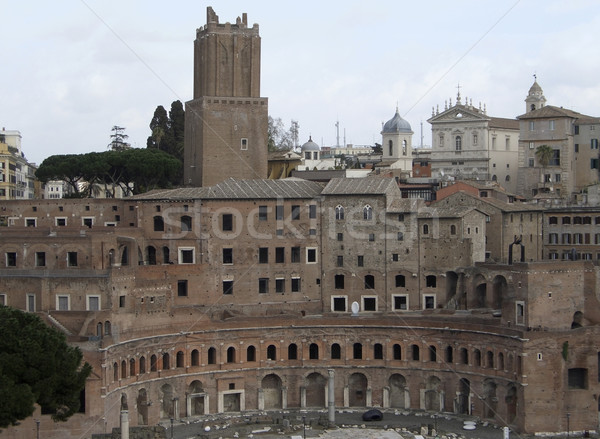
{"type": "Point", "coordinates": [74, 68]}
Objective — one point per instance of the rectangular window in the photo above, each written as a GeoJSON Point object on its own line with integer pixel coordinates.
{"type": "Point", "coordinates": [227, 287]}
{"type": "Point", "coordinates": [400, 302]}
{"type": "Point", "coordinates": [593, 163]}
{"type": "Point", "coordinates": [244, 144]}
{"type": "Point", "coordinates": [279, 255]}
{"type": "Point", "coordinates": [395, 257]}
{"type": "Point", "coordinates": [312, 211]}
{"type": "Point", "coordinates": [280, 285]}
{"type": "Point", "coordinates": [594, 143]}
{"type": "Point", "coordinates": [369, 303]}
{"type": "Point", "coordinates": [263, 285]}
{"type": "Point", "coordinates": [361, 261]}
{"type": "Point", "coordinates": [428, 301]}
{"type": "Point", "coordinates": [531, 125]}
{"type": "Point", "coordinates": [71, 259]}
{"type": "Point", "coordinates": [31, 302]}
{"type": "Point", "coordinates": [182, 288]}
{"type": "Point", "coordinates": [578, 378]}
{"type": "Point", "coordinates": [87, 222]}
{"type": "Point", "coordinates": [551, 125]}
{"type": "Point", "coordinates": [263, 255]}
{"type": "Point", "coordinates": [295, 256]}
{"type": "Point", "coordinates": [295, 285]}
{"type": "Point", "coordinates": [186, 255]}
{"type": "Point", "coordinates": [338, 303]}
{"type": "Point", "coordinates": [62, 303]}
{"type": "Point", "coordinates": [263, 213]}
{"type": "Point", "coordinates": [227, 222]}
{"type": "Point", "coordinates": [339, 281]}
{"type": "Point", "coordinates": [93, 303]}
{"type": "Point", "coordinates": [340, 261]}
{"type": "Point", "coordinates": [295, 212]}
{"type": "Point", "coordinates": [577, 147]}
{"type": "Point", "coordinates": [312, 232]}
{"type": "Point", "coordinates": [340, 236]}
{"type": "Point", "coordinates": [279, 212]}
{"type": "Point", "coordinates": [371, 237]}
{"type": "Point", "coordinates": [311, 255]}
{"type": "Point", "coordinates": [520, 313]}
{"type": "Point", "coordinates": [227, 256]}
{"type": "Point", "coordinates": [121, 301]}
{"type": "Point", "coordinates": [30, 222]}
{"type": "Point", "coordinates": [40, 259]}
{"type": "Point", "coordinates": [3, 300]}
{"type": "Point", "coordinates": [400, 236]}
{"type": "Point", "coordinates": [11, 259]}
{"type": "Point", "coordinates": [531, 162]}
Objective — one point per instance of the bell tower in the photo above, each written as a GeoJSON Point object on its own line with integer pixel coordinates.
{"type": "Point", "coordinates": [535, 98]}
{"type": "Point", "coordinates": [226, 122]}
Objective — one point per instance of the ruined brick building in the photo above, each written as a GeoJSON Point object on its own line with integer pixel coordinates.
{"type": "Point", "coordinates": [238, 295]}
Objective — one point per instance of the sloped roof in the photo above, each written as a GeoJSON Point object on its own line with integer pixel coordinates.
{"type": "Point", "coordinates": [241, 189]}
{"type": "Point", "coordinates": [360, 186]}
{"type": "Point", "coordinates": [500, 122]}
{"type": "Point", "coordinates": [498, 204]}
{"type": "Point", "coordinates": [549, 111]}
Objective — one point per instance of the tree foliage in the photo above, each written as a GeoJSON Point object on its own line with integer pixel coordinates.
{"type": "Point", "coordinates": [279, 137]}
{"type": "Point", "coordinates": [37, 366]}
{"type": "Point", "coordinates": [146, 169]}
{"type": "Point", "coordinates": [118, 139]}
{"type": "Point", "coordinates": [167, 130]}
{"type": "Point", "coordinates": [544, 154]}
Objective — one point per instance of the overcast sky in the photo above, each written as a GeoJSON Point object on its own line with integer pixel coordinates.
{"type": "Point", "coordinates": [72, 69]}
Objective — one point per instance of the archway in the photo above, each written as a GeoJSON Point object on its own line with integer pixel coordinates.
{"type": "Point", "coordinates": [142, 407]}
{"type": "Point", "coordinates": [196, 399]}
{"type": "Point", "coordinates": [480, 286]}
{"type": "Point", "coordinates": [315, 390]}
{"type": "Point", "coordinates": [464, 392]}
{"type": "Point", "coordinates": [451, 284]}
{"type": "Point", "coordinates": [151, 255]}
{"type": "Point", "coordinates": [271, 387]}
{"type": "Point", "coordinates": [398, 391]}
{"type": "Point", "coordinates": [357, 386]}
{"type": "Point", "coordinates": [490, 400]}
{"type": "Point", "coordinates": [432, 394]}
{"type": "Point", "coordinates": [167, 405]}
{"type": "Point", "coordinates": [500, 288]}
{"type": "Point", "coordinates": [511, 403]}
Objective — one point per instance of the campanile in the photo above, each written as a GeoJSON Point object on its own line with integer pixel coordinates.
{"type": "Point", "coordinates": [226, 121]}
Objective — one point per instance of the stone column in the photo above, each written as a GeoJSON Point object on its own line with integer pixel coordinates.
{"type": "Point", "coordinates": [261, 399]}
{"type": "Point", "coordinates": [124, 424]}
{"type": "Point", "coordinates": [331, 399]}
{"type": "Point", "coordinates": [369, 401]}
{"type": "Point", "coordinates": [303, 397]}
{"type": "Point", "coordinates": [284, 397]}
{"type": "Point", "coordinates": [386, 397]}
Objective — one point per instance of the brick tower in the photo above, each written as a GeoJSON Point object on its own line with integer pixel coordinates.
{"type": "Point", "coordinates": [226, 122]}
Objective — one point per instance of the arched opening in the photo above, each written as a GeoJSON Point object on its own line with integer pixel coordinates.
{"type": "Point", "coordinates": [490, 400]}
{"type": "Point", "coordinates": [250, 354]}
{"type": "Point", "coordinates": [490, 359]}
{"type": "Point", "coordinates": [142, 364]}
{"type": "Point", "coordinates": [196, 397]}
{"type": "Point", "coordinates": [432, 354]}
{"type": "Point", "coordinates": [142, 407]}
{"type": "Point", "coordinates": [464, 356]}
{"type": "Point", "coordinates": [369, 282]}
{"type": "Point", "coordinates": [500, 361]}
{"type": "Point", "coordinates": [271, 387]}
{"type": "Point", "coordinates": [159, 224]}
{"type": "Point", "coordinates": [500, 288]}
{"type": "Point", "coordinates": [452, 300]}
{"type": "Point", "coordinates": [397, 352]}
{"type": "Point", "coordinates": [415, 352]}
{"type": "Point", "coordinates": [212, 356]}
{"type": "Point", "coordinates": [167, 408]}
{"type": "Point", "coordinates": [115, 371]}
{"type": "Point", "coordinates": [336, 351]}
{"type": "Point", "coordinates": [195, 357]}
{"type": "Point", "coordinates": [99, 330]}
{"type": "Point", "coordinates": [480, 292]}
{"type": "Point", "coordinates": [315, 390]}
{"type": "Point", "coordinates": [186, 223]}
{"type": "Point", "coordinates": [398, 391]}
{"type": "Point", "coordinates": [477, 358]}
{"type": "Point", "coordinates": [123, 369]}
{"type": "Point", "coordinates": [179, 359]}
{"type": "Point", "coordinates": [231, 354]}
{"type": "Point", "coordinates": [153, 363]}
{"type": "Point", "coordinates": [357, 386]}
{"type": "Point", "coordinates": [292, 351]}
{"type": "Point", "coordinates": [166, 361]}
{"type": "Point", "coordinates": [377, 351]}
{"type": "Point", "coordinates": [511, 400]}
{"type": "Point", "coordinates": [464, 392]}
{"type": "Point", "coordinates": [432, 394]}
{"type": "Point", "coordinates": [357, 351]}
{"type": "Point", "coordinates": [132, 367]}
{"type": "Point", "coordinates": [166, 255]}
{"type": "Point", "coordinates": [272, 353]}
{"type": "Point", "coordinates": [124, 254]}
{"type": "Point", "coordinates": [449, 355]}
{"type": "Point", "coordinates": [390, 148]}
{"type": "Point", "coordinates": [107, 328]}
{"type": "Point", "coordinates": [313, 351]}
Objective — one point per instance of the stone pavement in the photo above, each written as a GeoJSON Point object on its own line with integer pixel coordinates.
{"type": "Point", "coordinates": [286, 424]}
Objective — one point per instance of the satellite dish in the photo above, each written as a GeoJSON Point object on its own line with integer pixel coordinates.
{"type": "Point", "coordinates": [355, 308]}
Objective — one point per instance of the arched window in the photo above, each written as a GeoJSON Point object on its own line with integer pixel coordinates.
{"type": "Point", "coordinates": [166, 364]}
{"type": "Point", "coordinates": [494, 177]}
{"type": "Point", "coordinates": [115, 371]}
{"type": "Point", "coordinates": [507, 178]}
{"type": "Point", "coordinates": [195, 357]}
{"type": "Point", "coordinates": [425, 229]}
{"type": "Point", "coordinates": [449, 355]}
{"type": "Point", "coordinates": [453, 229]}
{"type": "Point", "coordinates": [339, 212]}
{"type": "Point", "coordinates": [378, 351]}
{"type": "Point", "coordinates": [464, 356]}
{"type": "Point", "coordinates": [490, 359]}
{"type": "Point", "coordinates": [272, 353]}
{"type": "Point", "coordinates": [107, 328]}
{"type": "Point", "coordinates": [431, 281]}
{"type": "Point", "coordinates": [179, 359]}
{"type": "Point", "coordinates": [132, 367]}
{"type": "Point", "coordinates": [400, 281]}
{"type": "Point", "coordinates": [458, 143]}
{"type": "Point", "coordinates": [441, 140]}
{"type": "Point", "coordinates": [477, 357]}
{"type": "Point", "coordinates": [397, 352]}
{"type": "Point", "coordinates": [336, 351]}
{"type": "Point", "coordinates": [313, 351]}
{"type": "Point", "coordinates": [357, 351]}
{"type": "Point", "coordinates": [153, 363]}
{"type": "Point", "coordinates": [123, 369]}
{"type": "Point", "coordinates": [166, 257]}
{"type": "Point", "coordinates": [251, 354]}
{"type": "Point", "coordinates": [432, 354]}
{"type": "Point", "coordinates": [292, 352]}
{"type": "Point", "coordinates": [367, 212]}
{"type": "Point", "coordinates": [212, 356]}
{"type": "Point", "coordinates": [391, 148]}
{"type": "Point", "coordinates": [142, 364]}
{"type": "Point", "coordinates": [369, 282]}
{"type": "Point", "coordinates": [404, 149]}
{"type": "Point", "coordinates": [415, 352]}
{"type": "Point", "coordinates": [231, 354]}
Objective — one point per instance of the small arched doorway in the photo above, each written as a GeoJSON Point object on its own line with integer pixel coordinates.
{"type": "Point", "coordinates": [398, 391]}
{"type": "Point", "coordinates": [271, 387]}
{"type": "Point", "coordinates": [315, 390]}
{"type": "Point", "coordinates": [357, 386]}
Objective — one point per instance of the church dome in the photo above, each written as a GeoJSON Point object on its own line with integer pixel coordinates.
{"type": "Point", "coordinates": [396, 125]}
{"type": "Point", "coordinates": [310, 146]}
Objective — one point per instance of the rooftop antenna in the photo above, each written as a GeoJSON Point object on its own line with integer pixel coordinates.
{"type": "Point", "coordinates": [421, 135]}
{"type": "Point", "coordinates": [337, 131]}
{"type": "Point", "coordinates": [344, 137]}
